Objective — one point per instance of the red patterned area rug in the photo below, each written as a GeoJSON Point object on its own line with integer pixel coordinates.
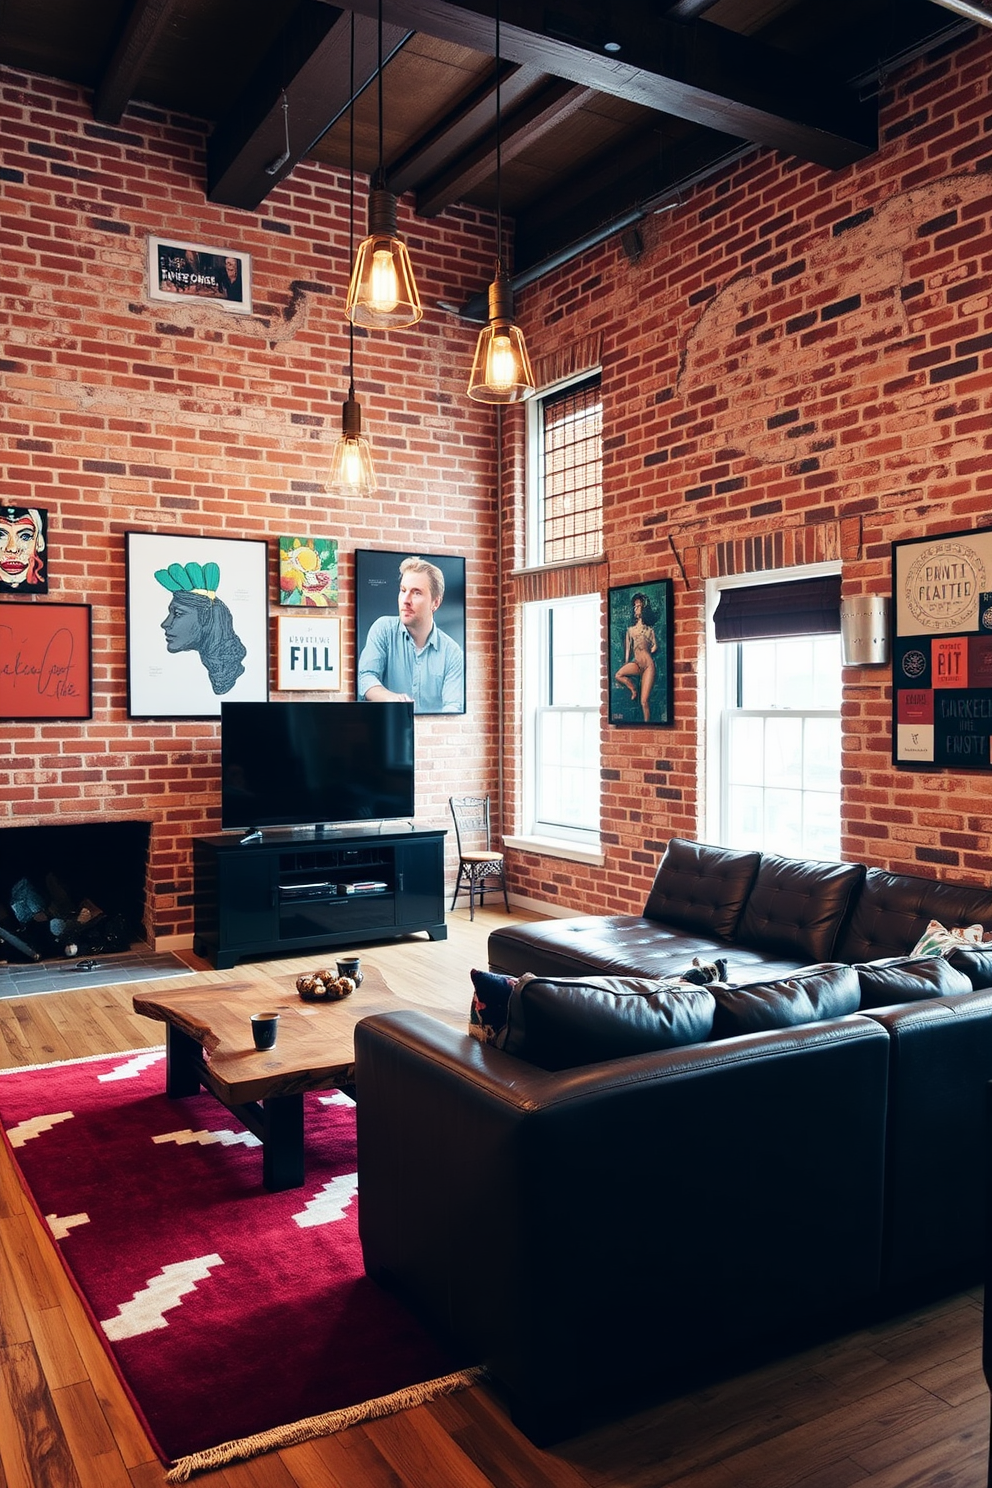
{"type": "Point", "coordinates": [239, 1320]}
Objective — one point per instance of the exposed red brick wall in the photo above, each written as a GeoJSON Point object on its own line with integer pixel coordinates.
{"type": "Point", "coordinates": [119, 413]}
{"type": "Point", "coordinates": [798, 366]}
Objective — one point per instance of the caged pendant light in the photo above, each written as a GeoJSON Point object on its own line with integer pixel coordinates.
{"type": "Point", "coordinates": [352, 470]}
{"type": "Point", "coordinates": [501, 371]}
{"type": "Point", "coordinates": [382, 291]}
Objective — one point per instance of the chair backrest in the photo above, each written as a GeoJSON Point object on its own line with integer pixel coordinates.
{"type": "Point", "coordinates": [471, 818]}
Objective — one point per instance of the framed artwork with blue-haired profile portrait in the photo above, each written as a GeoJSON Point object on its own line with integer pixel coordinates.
{"type": "Point", "coordinates": [197, 624]}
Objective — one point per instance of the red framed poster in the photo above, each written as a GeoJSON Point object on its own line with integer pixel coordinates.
{"type": "Point", "coordinates": [45, 661]}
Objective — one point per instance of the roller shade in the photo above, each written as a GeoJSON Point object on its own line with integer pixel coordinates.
{"type": "Point", "coordinates": [763, 611]}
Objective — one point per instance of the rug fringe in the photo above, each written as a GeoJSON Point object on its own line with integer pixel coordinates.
{"type": "Point", "coordinates": [300, 1431]}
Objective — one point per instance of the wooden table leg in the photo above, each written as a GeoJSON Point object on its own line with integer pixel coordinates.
{"type": "Point", "coordinates": [183, 1062]}
{"type": "Point", "coordinates": [282, 1142]}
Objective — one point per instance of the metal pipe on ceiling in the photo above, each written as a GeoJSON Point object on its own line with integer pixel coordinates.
{"type": "Point", "coordinates": [969, 9]}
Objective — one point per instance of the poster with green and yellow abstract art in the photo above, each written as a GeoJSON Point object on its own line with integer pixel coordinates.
{"type": "Point", "coordinates": [308, 572]}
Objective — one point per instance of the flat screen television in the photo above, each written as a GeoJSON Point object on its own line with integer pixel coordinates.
{"type": "Point", "coordinates": [292, 764]}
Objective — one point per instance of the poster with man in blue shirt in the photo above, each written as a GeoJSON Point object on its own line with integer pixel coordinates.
{"type": "Point", "coordinates": [406, 656]}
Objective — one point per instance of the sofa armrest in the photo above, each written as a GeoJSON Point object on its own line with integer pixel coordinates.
{"type": "Point", "coordinates": [940, 1069]}
{"type": "Point", "coordinates": [591, 1229]}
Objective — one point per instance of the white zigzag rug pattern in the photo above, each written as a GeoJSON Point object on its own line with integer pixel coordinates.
{"type": "Point", "coordinates": [192, 1270]}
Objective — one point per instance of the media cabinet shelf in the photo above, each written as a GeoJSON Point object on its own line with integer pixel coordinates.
{"type": "Point", "coordinates": [288, 893]}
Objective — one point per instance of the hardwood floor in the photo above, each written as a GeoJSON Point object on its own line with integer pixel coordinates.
{"type": "Point", "coordinates": [900, 1405]}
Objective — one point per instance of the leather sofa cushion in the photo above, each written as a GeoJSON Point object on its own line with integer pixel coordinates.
{"type": "Point", "coordinates": [701, 888]}
{"type": "Point", "coordinates": [896, 979]}
{"type": "Point", "coordinates": [560, 1024]}
{"type": "Point", "coordinates": [894, 909]}
{"type": "Point", "coordinates": [811, 995]}
{"type": "Point", "coordinates": [797, 906]}
{"type": "Point", "coordinates": [975, 962]}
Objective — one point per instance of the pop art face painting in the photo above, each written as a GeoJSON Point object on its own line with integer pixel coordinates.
{"type": "Point", "coordinates": [23, 547]}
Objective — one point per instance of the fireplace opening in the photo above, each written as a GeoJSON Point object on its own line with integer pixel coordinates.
{"type": "Point", "coordinates": [72, 890]}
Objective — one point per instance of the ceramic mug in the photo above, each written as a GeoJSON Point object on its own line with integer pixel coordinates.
{"type": "Point", "coordinates": [264, 1027]}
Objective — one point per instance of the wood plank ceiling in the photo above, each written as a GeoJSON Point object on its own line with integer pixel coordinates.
{"type": "Point", "coordinates": [610, 108]}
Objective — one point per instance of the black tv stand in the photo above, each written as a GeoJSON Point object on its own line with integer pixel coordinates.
{"type": "Point", "coordinates": [299, 891]}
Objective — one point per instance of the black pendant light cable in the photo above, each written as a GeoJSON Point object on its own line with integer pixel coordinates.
{"type": "Point", "coordinates": [354, 472]}
{"type": "Point", "coordinates": [499, 154]}
{"type": "Point", "coordinates": [501, 371]}
{"type": "Point", "coordinates": [351, 192]}
{"type": "Point", "coordinates": [382, 292]}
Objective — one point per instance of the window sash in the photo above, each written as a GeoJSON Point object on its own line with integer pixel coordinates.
{"type": "Point", "coordinates": [569, 506]}
{"type": "Point", "coordinates": [775, 793]}
{"type": "Point", "coordinates": [566, 769]}
{"type": "Point", "coordinates": [563, 719]}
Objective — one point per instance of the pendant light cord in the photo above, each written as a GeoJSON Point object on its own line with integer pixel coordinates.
{"type": "Point", "coordinates": [499, 155]}
{"type": "Point", "coordinates": [382, 174]}
{"type": "Point", "coordinates": [351, 199]}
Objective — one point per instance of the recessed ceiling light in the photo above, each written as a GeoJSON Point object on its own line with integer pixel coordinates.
{"type": "Point", "coordinates": [611, 46]}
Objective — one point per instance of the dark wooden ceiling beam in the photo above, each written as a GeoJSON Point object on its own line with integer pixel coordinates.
{"type": "Point", "coordinates": [697, 71]}
{"type": "Point", "coordinates": [548, 109]}
{"type": "Point", "coordinates": [640, 175]}
{"type": "Point", "coordinates": [144, 25]}
{"type": "Point", "coordinates": [311, 63]}
{"type": "Point", "coordinates": [461, 128]}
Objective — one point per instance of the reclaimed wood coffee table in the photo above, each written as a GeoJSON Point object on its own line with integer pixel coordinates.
{"type": "Point", "coordinates": [209, 1044]}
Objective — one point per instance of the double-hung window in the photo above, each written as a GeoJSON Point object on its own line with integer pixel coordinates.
{"type": "Point", "coordinates": [773, 716]}
{"type": "Point", "coordinates": [562, 707]}
{"type": "Point", "coordinates": [562, 637]}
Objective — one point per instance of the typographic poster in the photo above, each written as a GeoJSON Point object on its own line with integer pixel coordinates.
{"type": "Point", "coordinates": [942, 651]}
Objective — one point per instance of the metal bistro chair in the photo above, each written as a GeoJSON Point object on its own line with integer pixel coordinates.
{"type": "Point", "coordinates": [479, 865]}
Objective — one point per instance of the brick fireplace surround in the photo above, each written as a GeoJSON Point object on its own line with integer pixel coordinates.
{"type": "Point", "coordinates": [798, 366]}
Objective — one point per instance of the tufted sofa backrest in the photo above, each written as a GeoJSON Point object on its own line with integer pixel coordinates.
{"type": "Point", "coordinates": [797, 906]}
{"type": "Point", "coordinates": [894, 909]}
{"type": "Point", "coordinates": [701, 888]}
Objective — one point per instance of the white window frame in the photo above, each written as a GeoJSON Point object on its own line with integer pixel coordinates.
{"type": "Point", "coordinates": [713, 694]}
{"type": "Point", "coordinates": [533, 479]}
{"type": "Point", "coordinates": [581, 843]}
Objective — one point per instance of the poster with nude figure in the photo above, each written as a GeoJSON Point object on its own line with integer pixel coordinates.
{"type": "Point", "coordinates": [197, 624]}
{"type": "Point", "coordinates": [640, 653]}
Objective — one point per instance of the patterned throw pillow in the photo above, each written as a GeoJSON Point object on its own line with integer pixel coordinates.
{"type": "Point", "coordinates": [490, 996]}
{"type": "Point", "coordinates": [936, 940]}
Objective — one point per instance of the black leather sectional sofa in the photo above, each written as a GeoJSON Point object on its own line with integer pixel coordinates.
{"type": "Point", "coordinates": [599, 1226]}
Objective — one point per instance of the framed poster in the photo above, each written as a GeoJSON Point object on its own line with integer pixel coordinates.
{"type": "Point", "coordinates": [192, 271]}
{"type": "Point", "coordinates": [45, 661]}
{"type": "Point", "coordinates": [308, 654]}
{"type": "Point", "coordinates": [640, 653]}
{"type": "Point", "coordinates": [308, 572]}
{"type": "Point", "coordinates": [197, 624]}
{"type": "Point", "coordinates": [410, 629]}
{"type": "Point", "coordinates": [942, 651]}
{"type": "Point", "coordinates": [23, 550]}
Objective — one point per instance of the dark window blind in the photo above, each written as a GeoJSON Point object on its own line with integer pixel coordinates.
{"type": "Point", "coordinates": [767, 611]}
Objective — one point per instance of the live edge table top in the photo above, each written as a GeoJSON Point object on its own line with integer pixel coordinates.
{"type": "Point", "coordinates": [314, 1050]}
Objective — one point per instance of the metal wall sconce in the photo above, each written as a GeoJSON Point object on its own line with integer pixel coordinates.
{"type": "Point", "coordinates": [864, 630]}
